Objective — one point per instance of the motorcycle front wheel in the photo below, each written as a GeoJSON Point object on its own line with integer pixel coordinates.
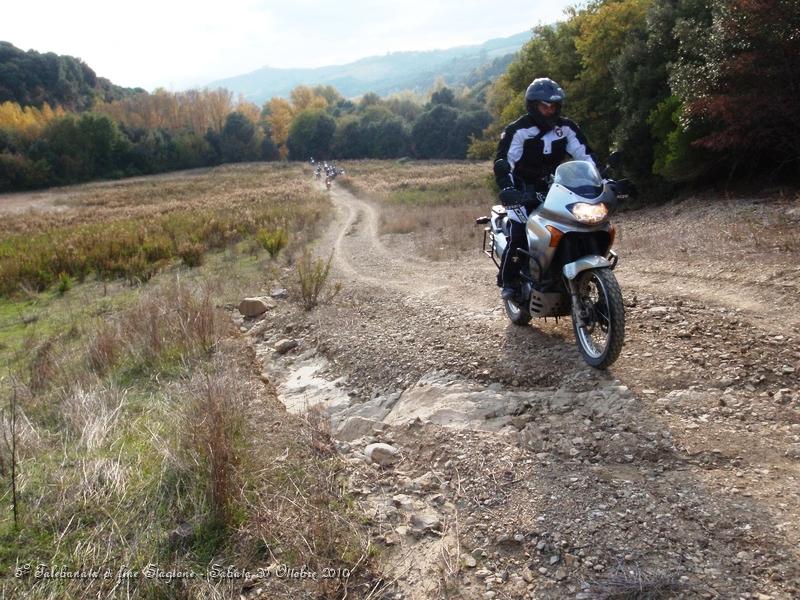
{"type": "Point", "coordinates": [599, 318]}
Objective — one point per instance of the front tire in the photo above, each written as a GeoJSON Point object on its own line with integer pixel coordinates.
{"type": "Point", "coordinates": [599, 321]}
{"type": "Point", "coordinates": [516, 313]}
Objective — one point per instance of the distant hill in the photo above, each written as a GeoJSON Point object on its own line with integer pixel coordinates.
{"type": "Point", "coordinates": [384, 75]}
{"type": "Point", "coordinates": [32, 78]}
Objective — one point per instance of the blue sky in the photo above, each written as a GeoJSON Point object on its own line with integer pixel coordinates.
{"type": "Point", "coordinates": [176, 45]}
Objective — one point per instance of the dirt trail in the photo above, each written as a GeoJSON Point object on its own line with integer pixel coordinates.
{"type": "Point", "coordinates": [362, 257]}
{"type": "Point", "coordinates": [771, 305]}
{"type": "Point", "coordinates": [522, 472]}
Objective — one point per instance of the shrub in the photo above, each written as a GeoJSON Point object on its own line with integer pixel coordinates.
{"type": "Point", "coordinates": [273, 242]}
{"type": "Point", "coordinates": [191, 253]}
{"type": "Point", "coordinates": [137, 270]}
{"type": "Point", "coordinates": [64, 283]}
{"type": "Point", "coordinates": [212, 439]}
{"type": "Point", "coordinates": [42, 366]}
{"type": "Point", "coordinates": [312, 275]}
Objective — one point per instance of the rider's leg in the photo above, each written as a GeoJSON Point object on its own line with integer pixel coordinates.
{"type": "Point", "coordinates": [510, 264]}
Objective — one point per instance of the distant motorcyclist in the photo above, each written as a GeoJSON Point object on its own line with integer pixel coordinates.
{"type": "Point", "coordinates": [529, 151]}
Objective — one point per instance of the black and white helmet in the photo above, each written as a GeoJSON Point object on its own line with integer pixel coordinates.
{"type": "Point", "coordinates": [543, 90]}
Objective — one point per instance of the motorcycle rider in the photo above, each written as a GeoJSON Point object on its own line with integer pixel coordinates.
{"type": "Point", "coordinates": [528, 153]}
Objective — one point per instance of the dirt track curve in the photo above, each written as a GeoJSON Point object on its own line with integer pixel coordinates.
{"type": "Point", "coordinates": [679, 466]}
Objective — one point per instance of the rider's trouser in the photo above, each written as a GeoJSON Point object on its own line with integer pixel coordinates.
{"type": "Point", "coordinates": [512, 261]}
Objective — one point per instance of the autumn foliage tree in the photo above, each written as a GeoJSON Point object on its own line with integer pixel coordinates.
{"type": "Point", "coordinates": [690, 90]}
{"type": "Point", "coordinates": [748, 91]}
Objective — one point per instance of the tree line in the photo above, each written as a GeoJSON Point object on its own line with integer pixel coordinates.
{"type": "Point", "coordinates": [692, 91]}
{"type": "Point", "coordinates": [44, 143]}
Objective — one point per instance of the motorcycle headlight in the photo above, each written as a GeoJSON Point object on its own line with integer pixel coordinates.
{"type": "Point", "coordinates": [589, 213]}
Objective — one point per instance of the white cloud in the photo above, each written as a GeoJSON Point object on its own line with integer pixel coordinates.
{"type": "Point", "coordinates": [154, 43]}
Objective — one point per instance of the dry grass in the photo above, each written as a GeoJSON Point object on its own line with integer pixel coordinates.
{"type": "Point", "coordinates": [632, 582]}
{"type": "Point", "coordinates": [238, 187]}
{"type": "Point", "coordinates": [141, 416]}
{"type": "Point", "coordinates": [142, 225]}
{"type": "Point", "coordinates": [211, 421]}
{"type": "Point", "coordinates": [91, 415]}
{"type": "Point", "coordinates": [205, 448]}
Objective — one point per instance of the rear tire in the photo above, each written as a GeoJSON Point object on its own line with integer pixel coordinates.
{"type": "Point", "coordinates": [601, 298]}
{"type": "Point", "coordinates": [517, 314]}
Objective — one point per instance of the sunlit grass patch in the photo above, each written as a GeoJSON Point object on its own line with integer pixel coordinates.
{"type": "Point", "coordinates": [145, 224]}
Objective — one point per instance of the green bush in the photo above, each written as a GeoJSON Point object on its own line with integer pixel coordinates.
{"type": "Point", "coordinates": [273, 242]}
{"type": "Point", "coordinates": [312, 274]}
{"type": "Point", "coordinates": [64, 283]}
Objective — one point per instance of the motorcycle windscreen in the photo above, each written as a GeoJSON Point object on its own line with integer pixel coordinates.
{"type": "Point", "coordinates": [580, 177]}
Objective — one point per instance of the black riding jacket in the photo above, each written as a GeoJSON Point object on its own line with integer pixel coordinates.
{"type": "Point", "coordinates": [534, 152]}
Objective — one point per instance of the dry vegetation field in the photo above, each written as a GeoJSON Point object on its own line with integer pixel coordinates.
{"type": "Point", "coordinates": [132, 228]}
{"type": "Point", "coordinates": [135, 428]}
{"type": "Point", "coordinates": [436, 201]}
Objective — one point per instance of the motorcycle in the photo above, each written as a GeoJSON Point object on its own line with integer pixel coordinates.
{"type": "Point", "coordinates": [568, 268]}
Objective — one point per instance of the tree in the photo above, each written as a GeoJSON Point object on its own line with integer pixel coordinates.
{"type": "Point", "coordinates": [443, 95]}
{"type": "Point", "coordinates": [79, 149]}
{"type": "Point", "coordinates": [238, 140]}
{"type": "Point", "coordinates": [748, 91]}
{"type": "Point", "coordinates": [329, 93]}
{"type": "Point", "coordinates": [389, 138]}
{"type": "Point", "coordinates": [431, 133]}
{"type": "Point", "coordinates": [310, 134]}
{"type": "Point", "coordinates": [603, 30]}
{"type": "Point", "coordinates": [368, 99]}
{"type": "Point", "coordinates": [306, 98]}
{"type": "Point", "coordinates": [279, 117]}
{"type": "Point", "coordinates": [468, 125]}
{"type": "Point", "coordinates": [348, 139]}
{"type": "Point", "coordinates": [269, 150]}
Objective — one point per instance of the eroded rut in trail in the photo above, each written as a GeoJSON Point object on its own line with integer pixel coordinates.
{"type": "Point", "coordinates": [521, 472]}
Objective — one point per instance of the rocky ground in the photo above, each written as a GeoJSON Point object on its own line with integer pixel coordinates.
{"type": "Point", "coordinates": [493, 463]}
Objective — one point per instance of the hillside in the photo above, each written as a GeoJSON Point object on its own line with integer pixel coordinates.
{"type": "Point", "coordinates": [386, 74]}
{"type": "Point", "coordinates": [32, 78]}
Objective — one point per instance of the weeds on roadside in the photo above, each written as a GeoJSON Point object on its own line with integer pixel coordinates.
{"type": "Point", "coordinates": [212, 439]}
{"type": "Point", "coordinates": [312, 275]}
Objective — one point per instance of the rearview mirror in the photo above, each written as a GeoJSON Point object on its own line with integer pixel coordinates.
{"type": "Point", "coordinates": [615, 159]}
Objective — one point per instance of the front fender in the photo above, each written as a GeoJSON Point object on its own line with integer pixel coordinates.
{"type": "Point", "coordinates": [573, 269]}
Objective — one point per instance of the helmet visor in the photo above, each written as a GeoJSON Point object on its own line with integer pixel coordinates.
{"type": "Point", "coordinates": [549, 108]}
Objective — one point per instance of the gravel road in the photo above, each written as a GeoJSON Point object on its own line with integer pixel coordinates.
{"type": "Point", "coordinates": [522, 472]}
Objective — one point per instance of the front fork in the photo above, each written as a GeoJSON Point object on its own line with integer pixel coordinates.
{"type": "Point", "coordinates": [571, 272]}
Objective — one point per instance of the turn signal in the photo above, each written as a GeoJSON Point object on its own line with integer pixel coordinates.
{"type": "Point", "coordinates": [612, 234]}
{"type": "Point", "coordinates": [555, 235]}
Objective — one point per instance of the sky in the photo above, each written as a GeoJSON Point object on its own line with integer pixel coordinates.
{"type": "Point", "coordinates": [181, 44]}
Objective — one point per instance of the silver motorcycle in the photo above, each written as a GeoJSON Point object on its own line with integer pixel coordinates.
{"type": "Point", "coordinates": [568, 268]}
